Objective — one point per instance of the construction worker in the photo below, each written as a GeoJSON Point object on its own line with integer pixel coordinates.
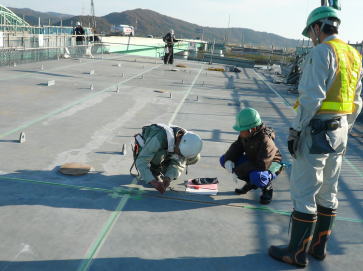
{"type": "Point", "coordinates": [253, 157]}
{"type": "Point", "coordinates": [162, 152]}
{"type": "Point", "coordinates": [79, 32]}
{"type": "Point", "coordinates": [169, 40]}
{"type": "Point", "coordinates": [328, 105]}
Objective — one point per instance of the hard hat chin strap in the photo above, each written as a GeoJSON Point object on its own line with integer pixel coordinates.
{"type": "Point", "coordinates": [317, 38]}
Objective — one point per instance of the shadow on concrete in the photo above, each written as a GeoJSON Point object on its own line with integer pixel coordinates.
{"type": "Point", "coordinates": [97, 191]}
{"type": "Point", "coordinates": [9, 141]}
{"type": "Point", "coordinates": [257, 261]}
{"type": "Point", "coordinates": [45, 73]}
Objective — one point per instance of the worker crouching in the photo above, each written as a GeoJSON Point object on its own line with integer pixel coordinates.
{"type": "Point", "coordinates": [162, 152]}
{"type": "Point", "coordinates": [253, 157]}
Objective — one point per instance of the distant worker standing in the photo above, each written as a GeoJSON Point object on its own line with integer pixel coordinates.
{"type": "Point", "coordinates": [169, 40]}
{"type": "Point", "coordinates": [328, 105]}
{"type": "Point", "coordinates": [162, 152]}
{"type": "Point", "coordinates": [79, 32]}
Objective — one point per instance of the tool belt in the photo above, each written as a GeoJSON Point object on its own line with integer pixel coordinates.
{"type": "Point", "coordinates": [321, 143]}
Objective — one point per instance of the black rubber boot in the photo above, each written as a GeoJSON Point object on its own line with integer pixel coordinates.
{"type": "Point", "coordinates": [301, 236]}
{"type": "Point", "coordinates": [247, 187]}
{"type": "Point", "coordinates": [326, 217]}
{"type": "Point", "coordinates": [266, 196]}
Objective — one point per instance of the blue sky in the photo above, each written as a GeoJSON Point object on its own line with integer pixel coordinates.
{"type": "Point", "coordinates": [283, 17]}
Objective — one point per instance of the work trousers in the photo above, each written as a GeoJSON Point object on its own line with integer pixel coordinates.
{"type": "Point", "coordinates": [169, 55]}
{"type": "Point", "coordinates": [314, 177]}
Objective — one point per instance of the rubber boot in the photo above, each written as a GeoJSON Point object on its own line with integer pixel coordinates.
{"type": "Point", "coordinates": [326, 217]}
{"type": "Point", "coordinates": [300, 239]}
{"type": "Point", "coordinates": [266, 196]}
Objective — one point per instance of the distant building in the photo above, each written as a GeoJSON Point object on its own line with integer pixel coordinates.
{"type": "Point", "coordinates": [123, 29]}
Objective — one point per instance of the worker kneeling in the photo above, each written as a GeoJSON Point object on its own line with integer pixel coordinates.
{"type": "Point", "coordinates": [162, 152]}
{"type": "Point", "coordinates": [253, 157]}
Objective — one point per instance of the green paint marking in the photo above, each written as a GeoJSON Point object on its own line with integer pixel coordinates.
{"type": "Point", "coordinates": [116, 192]}
{"type": "Point", "coordinates": [266, 209]}
{"type": "Point", "coordinates": [85, 265]}
{"type": "Point", "coordinates": [136, 193]}
{"type": "Point", "coordinates": [60, 110]}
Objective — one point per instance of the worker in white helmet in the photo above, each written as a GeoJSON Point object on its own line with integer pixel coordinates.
{"type": "Point", "coordinates": [79, 32]}
{"type": "Point", "coordinates": [162, 152]}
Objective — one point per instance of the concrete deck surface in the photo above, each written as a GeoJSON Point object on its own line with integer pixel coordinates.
{"type": "Point", "coordinates": [106, 220]}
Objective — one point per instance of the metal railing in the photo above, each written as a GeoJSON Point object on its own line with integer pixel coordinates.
{"type": "Point", "coordinates": [24, 44]}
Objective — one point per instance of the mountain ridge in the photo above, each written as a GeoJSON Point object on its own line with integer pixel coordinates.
{"type": "Point", "coordinates": [149, 22]}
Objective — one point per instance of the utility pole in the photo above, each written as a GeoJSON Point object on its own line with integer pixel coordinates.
{"type": "Point", "coordinates": [227, 32]}
{"type": "Point", "coordinates": [93, 16]}
{"type": "Point", "coordinates": [212, 52]}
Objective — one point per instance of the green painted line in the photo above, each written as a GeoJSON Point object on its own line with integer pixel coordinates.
{"type": "Point", "coordinates": [116, 192]}
{"type": "Point", "coordinates": [266, 209]}
{"type": "Point", "coordinates": [137, 193]}
{"type": "Point", "coordinates": [60, 110]}
{"type": "Point", "coordinates": [85, 265]}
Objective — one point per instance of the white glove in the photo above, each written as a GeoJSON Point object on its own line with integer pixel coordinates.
{"type": "Point", "coordinates": [234, 178]}
{"type": "Point", "coordinates": [229, 166]}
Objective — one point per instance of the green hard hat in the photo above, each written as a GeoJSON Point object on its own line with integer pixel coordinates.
{"type": "Point", "coordinates": [318, 14]}
{"type": "Point", "coordinates": [246, 119]}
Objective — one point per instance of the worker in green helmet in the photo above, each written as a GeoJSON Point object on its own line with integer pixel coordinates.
{"type": "Point", "coordinates": [328, 105]}
{"type": "Point", "coordinates": [253, 157]}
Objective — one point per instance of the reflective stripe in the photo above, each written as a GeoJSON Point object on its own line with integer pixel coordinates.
{"type": "Point", "coordinates": [337, 106]}
{"type": "Point", "coordinates": [340, 96]}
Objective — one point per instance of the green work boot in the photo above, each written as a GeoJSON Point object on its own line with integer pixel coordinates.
{"type": "Point", "coordinates": [326, 217]}
{"type": "Point", "coordinates": [301, 236]}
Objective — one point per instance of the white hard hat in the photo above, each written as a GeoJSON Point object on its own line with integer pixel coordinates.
{"type": "Point", "coordinates": [171, 31]}
{"type": "Point", "coordinates": [190, 145]}
{"type": "Point", "coordinates": [78, 23]}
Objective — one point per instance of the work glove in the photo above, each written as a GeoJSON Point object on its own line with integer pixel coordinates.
{"type": "Point", "coordinates": [229, 166]}
{"type": "Point", "coordinates": [293, 141]}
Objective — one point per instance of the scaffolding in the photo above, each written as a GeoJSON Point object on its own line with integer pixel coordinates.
{"type": "Point", "coordinates": [23, 43]}
{"type": "Point", "coordinates": [10, 21]}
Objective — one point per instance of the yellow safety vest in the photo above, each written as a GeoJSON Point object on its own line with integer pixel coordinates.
{"type": "Point", "coordinates": [340, 96]}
